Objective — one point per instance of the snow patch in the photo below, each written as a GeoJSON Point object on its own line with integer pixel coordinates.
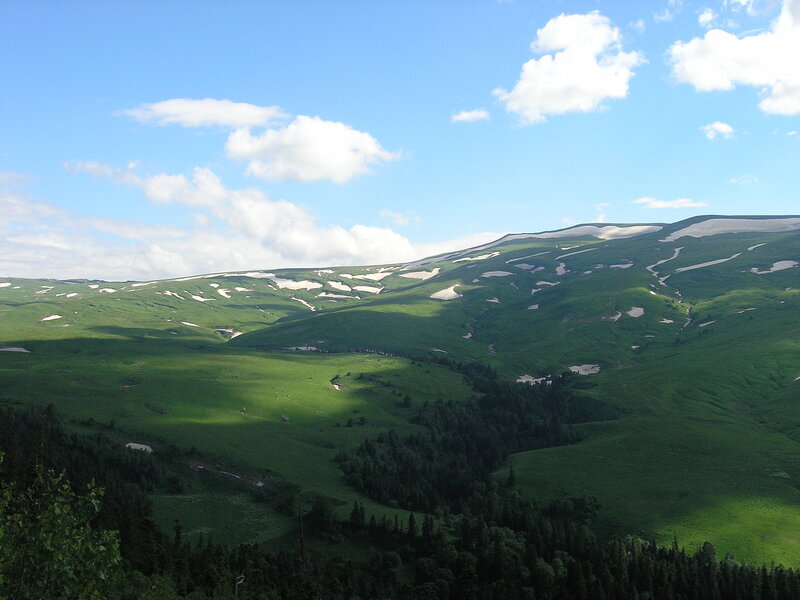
{"type": "Point", "coordinates": [547, 282]}
{"type": "Point", "coordinates": [139, 447]}
{"type": "Point", "coordinates": [290, 284]}
{"type": "Point", "coordinates": [242, 289]}
{"type": "Point", "coordinates": [707, 264]}
{"type": "Point", "coordinates": [525, 266]}
{"type": "Point", "coordinates": [439, 350]}
{"type": "Point", "coordinates": [72, 294]}
{"type": "Point", "coordinates": [587, 369]}
{"type": "Point", "coordinates": [652, 267]}
{"type": "Point", "coordinates": [495, 300]}
{"type": "Point", "coordinates": [338, 285]}
{"type": "Point", "coordinates": [304, 303]}
{"type": "Point", "coordinates": [447, 294]}
{"type": "Point", "coordinates": [635, 311]}
{"type": "Point", "coordinates": [329, 295]}
{"type": "Point", "coordinates": [4, 284]}
{"type": "Point", "coordinates": [189, 324]}
{"type": "Point", "coordinates": [174, 294]}
{"type": "Point", "coordinates": [50, 318]}
{"type": "Point", "coordinates": [198, 298]}
{"type": "Point", "coordinates": [481, 257]}
{"type": "Point", "coordinates": [528, 256]}
{"type": "Point", "coordinates": [224, 293]}
{"type": "Point", "coordinates": [666, 321]}
{"type": "Point", "coordinates": [706, 323]}
{"type": "Point", "coordinates": [533, 307]}
{"type": "Point", "coordinates": [496, 274]}
{"type": "Point", "coordinates": [622, 266]}
{"type": "Point", "coordinates": [751, 248]}
{"type": "Point", "coordinates": [368, 289]}
{"type": "Point", "coordinates": [781, 265]}
{"type": "Point", "coordinates": [561, 269]}
{"type": "Point", "coordinates": [576, 252]}
{"type": "Point", "coordinates": [14, 349]}
{"type": "Point", "coordinates": [608, 232]}
{"type": "Point", "coordinates": [373, 276]}
{"type": "Point", "coordinates": [530, 379]}
{"type": "Point", "coordinates": [422, 275]}
{"type": "Point", "coordinates": [719, 226]}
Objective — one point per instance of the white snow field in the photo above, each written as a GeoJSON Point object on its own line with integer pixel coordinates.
{"type": "Point", "coordinates": [718, 226]}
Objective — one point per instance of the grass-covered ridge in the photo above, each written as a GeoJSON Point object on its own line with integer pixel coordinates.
{"type": "Point", "coordinates": [702, 360]}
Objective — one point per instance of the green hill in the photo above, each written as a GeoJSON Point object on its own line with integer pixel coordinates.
{"type": "Point", "coordinates": [690, 330]}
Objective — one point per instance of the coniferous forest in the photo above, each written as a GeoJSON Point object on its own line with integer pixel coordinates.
{"type": "Point", "coordinates": [76, 521]}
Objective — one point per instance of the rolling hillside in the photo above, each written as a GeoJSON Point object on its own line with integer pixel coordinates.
{"type": "Point", "coordinates": [690, 330]}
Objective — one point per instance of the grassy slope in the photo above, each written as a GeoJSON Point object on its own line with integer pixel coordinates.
{"type": "Point", "coordinates": [187, 388]}
{"type": "Point", "coordinates": [699, 457]}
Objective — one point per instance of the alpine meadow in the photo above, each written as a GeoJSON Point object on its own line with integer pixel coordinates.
{"type": "Point", "coordinates": [400, 300]}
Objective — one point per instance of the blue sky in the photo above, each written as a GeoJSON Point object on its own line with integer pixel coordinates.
{"type": "Point", "coordinates": [154, 139]}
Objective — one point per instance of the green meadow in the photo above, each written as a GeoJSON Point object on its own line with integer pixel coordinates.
{"type": "Point", "coordinates": [702, 362]}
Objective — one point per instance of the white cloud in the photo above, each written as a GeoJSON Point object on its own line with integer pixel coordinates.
{"type": "Point", "coordinates": [639, 26]}
{"type": "Point", "coordinates": [717, 128]}
{"type": "Point", "coordinates": [585, 66]}
{"type": "Point", "coordinates": [677, 203]}
{"type": "Point", "coordinates": [672, 8]}
{"type": "Point", "coordinates": [400, 218]}
{"type": "Point", "coordinates": [744, 180]}
{"type": "Point", "coordinates": [308, 149]}
{"type": "Point", "coordinates": [470, 116]}
{"type": "Point", "coordinates": [12, 179]}
{"type": "Point", "coordinates": [227, 229]}
{"type": "Point", "coordinates": [706, 17]}
{"type": "Point", "coordinates": [126, 175]}
{"type": "Point", "coordinates": [768, 61]}
{"type": "Point", "coordinates": [205, 113]}
{"type": "Point", "coordinates": [601, 212]}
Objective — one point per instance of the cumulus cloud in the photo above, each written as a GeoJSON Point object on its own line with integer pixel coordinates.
{"type": "Point", "coordinates": [308, 149]}
{"type": "Point", "coordinates": [677, 203]}
{"type": "Point", "coordinates": [205, 113]}
{"type": "Point", "coordinates": [232, 229]}
{"type": "Point", "coordinates": [767, 60]}
{"type": "Point", "coordinates": [582, 64]}
{"type": "Point", "coordinates": [470, 116]}
{"type": "Point", "coordinates": [717, 129]}
{"type": "Point", "coordinates": [400, 218]}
